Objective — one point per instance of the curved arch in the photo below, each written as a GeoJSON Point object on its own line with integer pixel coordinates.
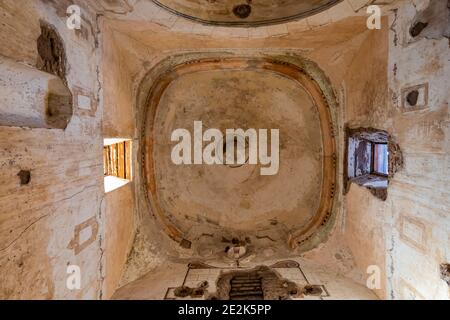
{"type": "Point", "coordinates": [222, 14]}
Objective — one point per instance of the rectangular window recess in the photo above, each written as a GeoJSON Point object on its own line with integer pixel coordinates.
{"type": "Point", "coordinates": [117, 160]}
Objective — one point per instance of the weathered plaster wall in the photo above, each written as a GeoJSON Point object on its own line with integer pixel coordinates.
{"type": "Point", "coordinates": [119, 235]}
{"type": "Point", "coordinates": [66, 186]}
{"type": "Point", "coordinates": [408, 235]}
{"type": "Point", "coordinates": [118, 122]}
{"type": "Point", "coordinates": [39, 222]}
{"type": "Point", "coordinates": [119, 116]}
{"type": "Point", "coordinates": [420, 239]}
{"type": "Point", "coordinates": [365, 89]}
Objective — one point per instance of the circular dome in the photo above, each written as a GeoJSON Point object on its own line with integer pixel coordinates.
{"type": "Point", "coordinates": [239, 197]}
{"type": "Point", "coordinates": [245, 12]}
{"type": "Point", "coordinates": [193, 199]}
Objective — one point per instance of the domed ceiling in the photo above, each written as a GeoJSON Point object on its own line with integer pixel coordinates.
{"type": "Point", "coordinates": [240, 198]}
{"type": "Point", "coordinates": [245, 12]}
{"type": "Point", "coordinates": [193, 200]}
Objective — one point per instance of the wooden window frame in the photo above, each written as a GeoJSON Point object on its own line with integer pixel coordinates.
{"type": "Point", "coordinates": [117, 160]}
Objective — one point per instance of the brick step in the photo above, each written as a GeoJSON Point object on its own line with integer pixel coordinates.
{"type": "Point", "coordinates": [243, 284]}
{"type": "Point", "coordinates": [246, 277]}
{"type": "Point", "coordinates": [247, 288]}
{"type": "Point", "coordinates": [245, 281]}
{"type": "Point", "coordinates": [246, 293]}
{"type": "Point", "coordinates": [241, 287]}
{"type": "Point", "coordinates": [257, 297]}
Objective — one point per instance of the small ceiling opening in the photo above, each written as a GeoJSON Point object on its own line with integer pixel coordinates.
{"type": "Point", "coordinates": [117, 168]}
{"type": "Point", "coordinates": [242, 11]}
